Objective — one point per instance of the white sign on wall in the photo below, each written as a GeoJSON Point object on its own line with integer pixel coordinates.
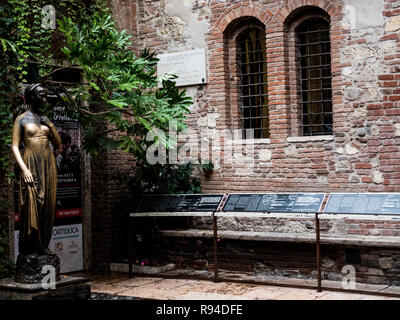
{"type": "Point", "coordinates": [189, 66]}
{"type": "Point", "coordinates": [66, 242]}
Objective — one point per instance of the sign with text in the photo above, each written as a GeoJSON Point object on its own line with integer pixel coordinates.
{"type": "Point", "coordinates": [275, 202]}
{"type": "Point", "coordinates": [180, 203]}
{"type": "Point", "coordinates": [68, 160]}
{"type": "Point", "coordinates": [363, 203]}
{"type": "Point", "coordinates": [189, 66]}
{"type": "Point", "coordinates": [66, 242]}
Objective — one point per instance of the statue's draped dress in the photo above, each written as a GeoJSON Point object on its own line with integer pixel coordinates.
{"type": "Point", "coordinates": [37, 201]}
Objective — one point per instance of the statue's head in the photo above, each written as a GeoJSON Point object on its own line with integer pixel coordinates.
{"type": "Point", "coordinates": [35, 94]}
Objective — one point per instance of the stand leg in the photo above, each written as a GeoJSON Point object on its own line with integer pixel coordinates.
{"type": "Point", "coordinates": [130, 250]}
{"type": "Point", "coordinates": [318, 244]}
{"type": "Point", "coordinates": [215, 250]}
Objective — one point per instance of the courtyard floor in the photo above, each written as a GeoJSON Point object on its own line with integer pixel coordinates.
{"type": "Point", "coordinates": [118, 286]}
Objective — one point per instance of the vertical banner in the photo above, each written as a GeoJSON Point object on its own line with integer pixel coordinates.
{"type": "Point", "coordinates": [66, 240]}
{"type": "Point", "coordinates": [68, 159]}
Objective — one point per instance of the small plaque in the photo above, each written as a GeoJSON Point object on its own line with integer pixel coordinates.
{"type": "Point", "coordinates": [275, 202]}
{"type": "Point", "coordinates": [180, 203]}
{"type": "Point", "coordinates": [363, 203]}
{"type": "Point", "coordinates": [189, 66]}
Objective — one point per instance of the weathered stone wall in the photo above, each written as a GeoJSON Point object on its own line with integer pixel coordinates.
{"type": "Point", "coordinates": [361, 154]}
{"type": "Point", "coordinates": [283, 259]}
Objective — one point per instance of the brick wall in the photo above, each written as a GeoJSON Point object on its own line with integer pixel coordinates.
{"type": "Point", "coordinates": [362, 155]}
{"type": "Point", "coordinates": [111, 201]}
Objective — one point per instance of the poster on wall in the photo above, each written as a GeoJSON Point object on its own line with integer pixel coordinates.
{"type": "Point", "coordinates": [68, 159]}
{"type": "Point", "coordinates": [66, 242]}
{"type": "Point", "coordinates": [67, 231]}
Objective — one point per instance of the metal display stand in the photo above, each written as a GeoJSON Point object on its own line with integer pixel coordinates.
{"type": "Point", "coordinates": [318, 252]}
{"type": "Point", "coordinates": [180, 203]}
{"type": "Point", "coordinates": [158, 214]}
{"type": "Point", "coordinates": [265, 215]}
{"type": "Point", "coordinates": [219, 212]}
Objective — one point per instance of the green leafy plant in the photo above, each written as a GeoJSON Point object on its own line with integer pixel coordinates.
{"type": "Point", "coordinates": [122, 101]}
{"type": "Point", "coordinates": [207, 167]}
{"type": "Point", "coordinates": [164, 179]}
{"type": "Point", "coordinates": [24, 42]}
{"type": "Point", "coordinates": [8, 87]}
{"type": "Point", "coordinates": [121, 90]}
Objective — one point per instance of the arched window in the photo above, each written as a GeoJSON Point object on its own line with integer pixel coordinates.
{"type": "Point", "coordinates": [314, 62]}
{"type": "Point", "coordinates": [253, 82]}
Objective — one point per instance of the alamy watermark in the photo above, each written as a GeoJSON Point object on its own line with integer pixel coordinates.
{"type": "Point", "coordinates": [49, 17]}
{"type": "Point", "coordinates": [202, 146]}
{"type": "Point", "coordinates": [49, 279]}
{"type": "Point", "coordinates": [349, 280]}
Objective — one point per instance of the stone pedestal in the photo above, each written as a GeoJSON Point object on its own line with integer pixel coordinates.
{"type": "Point", "coordinates": [67, 288]}
{"type": "Point", "coordinates": [29, 267]}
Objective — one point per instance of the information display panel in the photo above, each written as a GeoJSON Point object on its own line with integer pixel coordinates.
{"type": "Point", "coordinates": [180, 203]}
{"type": "Point", "coordinates": [363, 203]}
{"type": "Point", "coordinates": [275, 202]}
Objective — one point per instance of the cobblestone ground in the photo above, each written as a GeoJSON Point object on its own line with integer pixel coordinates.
{"type": "Point", "coordinates": [120, 287]}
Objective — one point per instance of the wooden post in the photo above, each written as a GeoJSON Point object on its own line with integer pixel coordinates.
{"type": "Point", "coordinates": [318, 245]}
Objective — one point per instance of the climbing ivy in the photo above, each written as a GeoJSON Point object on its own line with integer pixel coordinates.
{"type": "Point", "coordinates": [24, 41]}
{"type": "Point", "coordinates": [123, 92]}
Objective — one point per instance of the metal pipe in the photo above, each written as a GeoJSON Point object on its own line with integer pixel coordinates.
{"type": "Point", "coordinates": [318, 245]}
{"type": "Point", "coordinates": [130, 249]}
{"type": "Point", "coordinates": [215, 248]}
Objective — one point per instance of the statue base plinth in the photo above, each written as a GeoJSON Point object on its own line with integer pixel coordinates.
{"type": "Point", "coordinates": [67, 288]}
{"type": "Point", "coordinates": [30, 267]}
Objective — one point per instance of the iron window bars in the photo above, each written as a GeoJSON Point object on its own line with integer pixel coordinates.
{"type": "Point", "coordinates": [315, 105]}
{"type": "Point", "coordinates": [253, 83]}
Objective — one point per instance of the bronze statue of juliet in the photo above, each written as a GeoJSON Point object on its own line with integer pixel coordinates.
{"type": "Point", "coordinates": [38, 184]}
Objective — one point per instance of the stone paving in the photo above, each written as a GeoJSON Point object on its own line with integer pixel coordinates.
{"type": "Point", "coordinates": [119, 286]}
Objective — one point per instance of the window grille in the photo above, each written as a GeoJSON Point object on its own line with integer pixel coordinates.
{"type": "Point", "coordinates": [313, 48]}
{"type": "Point", "coordinates": [253, 83]}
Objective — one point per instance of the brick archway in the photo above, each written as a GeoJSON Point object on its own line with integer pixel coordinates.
{"type": "Point", "coordinates": [218, 46]}
{"type": "Point", "coordinates": [260, 12]}
{"type": "Point", "coordinates": [283, 23]}
{"type": "Point", "coordinates": [329, 6]}
{"type": "Point", "coordinates": [280, 93]}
